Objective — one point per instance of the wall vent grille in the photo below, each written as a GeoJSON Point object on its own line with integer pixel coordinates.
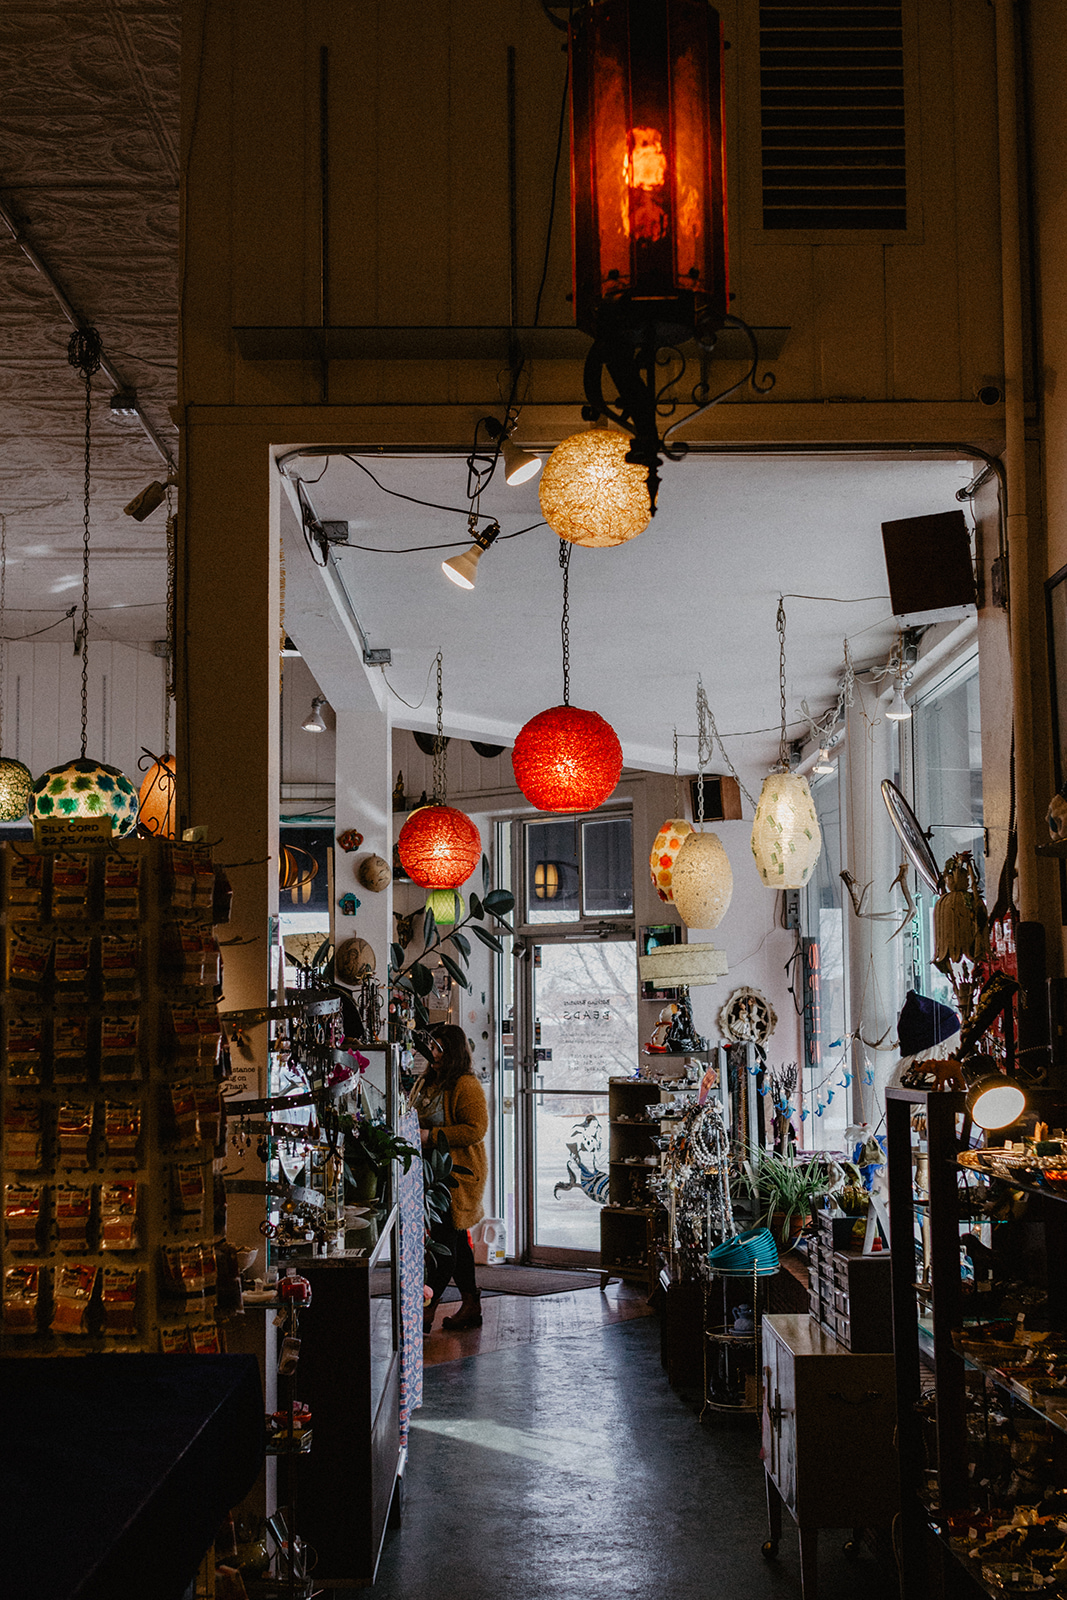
{"type": "Point", "coordinates": [832, 116]}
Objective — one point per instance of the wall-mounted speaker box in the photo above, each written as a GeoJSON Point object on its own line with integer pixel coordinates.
{"type": "Point", "coordinates": [722, 798]}
{"type": "Point", "coordinates": [928, 562]}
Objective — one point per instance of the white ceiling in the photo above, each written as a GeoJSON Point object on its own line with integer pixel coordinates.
{"type": "Point", "coordinates": [697, 592]}
{"type": "Point", "coordinates": [89, 173]}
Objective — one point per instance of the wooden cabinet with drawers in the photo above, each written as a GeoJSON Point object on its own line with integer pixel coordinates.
{"type": "Point", "coordinates": [828, 1420]}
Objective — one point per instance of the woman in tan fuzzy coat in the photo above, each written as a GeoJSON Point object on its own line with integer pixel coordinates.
{"type": "Point", "coordinates": [451, 1101]}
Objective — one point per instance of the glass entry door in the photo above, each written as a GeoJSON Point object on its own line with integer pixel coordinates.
{"type": "Point", "coordinates": [579, 1029]}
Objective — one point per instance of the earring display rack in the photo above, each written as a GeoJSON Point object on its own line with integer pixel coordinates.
{"type": "Point", "coordinates": [113, 1210]}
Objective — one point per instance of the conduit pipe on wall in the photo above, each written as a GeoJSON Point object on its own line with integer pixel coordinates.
{"type": "Point", "coordinates": [1015, 457]}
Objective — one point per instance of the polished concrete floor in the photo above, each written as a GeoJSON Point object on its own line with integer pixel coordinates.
{"type": "Point", "coordinates": [567, 1469]}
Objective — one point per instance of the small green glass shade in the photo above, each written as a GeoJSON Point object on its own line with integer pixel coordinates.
{"type": "Point", "coordinates": [84, 788]}
{"type": "Point", "coordinates": [16, 787]}
{"type": "Point", "coordinates": [448, 907]}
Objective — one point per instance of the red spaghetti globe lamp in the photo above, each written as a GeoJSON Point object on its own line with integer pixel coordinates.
{"type": "Point", "coordinates": [439, 847]}
{"type": "Point", "coordinates": [566, 759]}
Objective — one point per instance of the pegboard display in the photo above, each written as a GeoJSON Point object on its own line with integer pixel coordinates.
{"type": "Point", "coordinates": [113, 1214]}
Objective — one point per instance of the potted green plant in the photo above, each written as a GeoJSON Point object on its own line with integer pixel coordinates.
{"type": "Point", "coordinates": [370, 1145]}
{"type": "Point", "coordinates": [784, 1186]}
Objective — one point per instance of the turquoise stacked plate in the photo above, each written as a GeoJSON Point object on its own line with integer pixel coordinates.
{"type": "Point", "coordinates": [753, 1252]}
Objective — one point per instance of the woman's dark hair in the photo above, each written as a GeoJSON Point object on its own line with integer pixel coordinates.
{"type": "Point", "coordinates": [455, 1057]}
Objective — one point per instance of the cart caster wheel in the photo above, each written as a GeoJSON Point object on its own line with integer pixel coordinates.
{"type": "Point", "coordinates": [770, 1550]}
{"type": "Point", "coordinates": [851, 1549]}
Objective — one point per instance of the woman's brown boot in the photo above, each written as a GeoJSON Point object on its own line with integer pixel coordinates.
{"type": "Point", "coordinates": [427, 1313]}
{"type": "Point", "coordinates": [469, 1314]}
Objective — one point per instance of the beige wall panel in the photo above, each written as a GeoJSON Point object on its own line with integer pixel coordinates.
{"type": "Point", "coordinates": [779, 291]}
{"type": "Point", "coordinates": [976, 198]}
{"type": "Point", "coordinates": [205, 273]}
{"type": "Point", "coordinates": [308, 759]}
{"type": "Point", "coordinates": [352, 31]}
{"type": "Point", "coordinates": [42, 704]}
{"type": "Point", "coordinates": [275, 125]}
{"type": "Point", "coordinates": [1048, 31]}
{"type": "Point", "coordinates": [542, 66]}
{"type": "Point", "coordinates": [414, 193]}
{"type": "Point", "coordinates": [474, 165]}
{"type": "Point", "coordinates": [849, 319]}
{"type": "Point", "coordinates": [922, 327]}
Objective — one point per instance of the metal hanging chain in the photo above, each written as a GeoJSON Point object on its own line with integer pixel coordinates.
{"type": "Point", "coordinates": [565, 548]}
{"type": "Point", "coordinates": [440, 758]}
{"type": "Point", "coordinates": [705, 746]}
{"type": "Point", "coordinates": [3, 620]}
{"type": "Point", "coordinates": [783, 750]}
{"type": "Point", "coordinates": [83, 352]}
{"type": "Point", "coordinates": [172, 566]}
{"type": "Point", "coordinates": [677, 785]}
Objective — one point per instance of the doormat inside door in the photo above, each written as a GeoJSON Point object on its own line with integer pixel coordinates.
{"type": "Point", "coordinates": [534, 1280]}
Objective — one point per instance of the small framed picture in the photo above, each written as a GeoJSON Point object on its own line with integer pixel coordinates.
{"type": "Point", "coordinates": [651, 939]}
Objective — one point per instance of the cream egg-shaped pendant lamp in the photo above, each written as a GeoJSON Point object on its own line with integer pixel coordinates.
{"type": "Point", "coordinates": [589, 492]}
{"type": "Point", "coordinates": [703, 881]}
{"type": "Point", "coordinates": [786, 838]}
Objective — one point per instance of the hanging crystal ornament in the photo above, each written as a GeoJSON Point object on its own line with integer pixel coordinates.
{"type": "Point", "coordinates": [84, 788]}
{"type": "Point", "coordinates": [703, 877]}
{"type": "Point", "coordinates": [16, 781]}
{"type": "Point", "coordinates": [786, 839]}
{"type": "Point", "coordinates": [566, 759]}
{"type": "Point", "coordinates": [439, 846]}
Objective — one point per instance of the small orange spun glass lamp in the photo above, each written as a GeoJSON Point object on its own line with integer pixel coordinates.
{"type": "Point", "coordinates": [665, 848]}
{"type": "Point", "coordinates": [439, 847]}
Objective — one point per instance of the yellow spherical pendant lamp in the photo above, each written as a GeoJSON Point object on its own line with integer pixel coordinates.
{"type": "Point", "coordinates": [786, 839]}
{"type": "Point", "coordinates": [703, 881]}
{"type": "Point", "coordinates": [158, 810]}
{"type": "Point", "coordinates": [16, 788]}
{"type": "Point", "coordinates": [665, 848]}
{"type": "Point", "coordinates": [590, 494]}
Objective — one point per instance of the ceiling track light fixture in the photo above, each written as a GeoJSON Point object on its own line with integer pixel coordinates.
{"type": "Point", "coordinates": [648, 213]}
{"type": "Point", "coordinates": [462, 570]}
{"type": "Point", "coordinates": [823, 765]}
{"type": "Point", "coordinates": [313, 722]}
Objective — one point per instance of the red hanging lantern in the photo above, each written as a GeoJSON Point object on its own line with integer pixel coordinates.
{"type": "Point", "coordinates": [648, 177]}
{"type": "Point", "coordinates": [439, 847]}
{"type": "Point", "coordinates": [566, 759]}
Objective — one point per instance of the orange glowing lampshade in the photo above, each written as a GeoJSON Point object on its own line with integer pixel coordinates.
{"type": "Point", "coordinates": [566, 759]}
{"type": "Point", "coordinates": [157, 811]}
{"type": "Point", "coordinates": [439, 847]}
{"type": "Point", "coordinates": [648, 163]}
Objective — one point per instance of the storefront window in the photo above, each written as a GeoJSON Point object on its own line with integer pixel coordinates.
{"type": "Point", "coordinates": [823, 1112]}
{"type": "Point", "coordinates": [944, 743]}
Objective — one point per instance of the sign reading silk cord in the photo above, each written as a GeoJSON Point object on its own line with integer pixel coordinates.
{"type": "Point", "coordinates": [83, 352]}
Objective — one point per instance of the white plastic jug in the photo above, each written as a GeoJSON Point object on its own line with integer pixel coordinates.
{"type": "Point", "coordinates": [490, 1242]}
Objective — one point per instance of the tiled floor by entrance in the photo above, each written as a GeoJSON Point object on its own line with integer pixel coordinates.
{"type": "Point", "coordinates": [562, 1467]}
